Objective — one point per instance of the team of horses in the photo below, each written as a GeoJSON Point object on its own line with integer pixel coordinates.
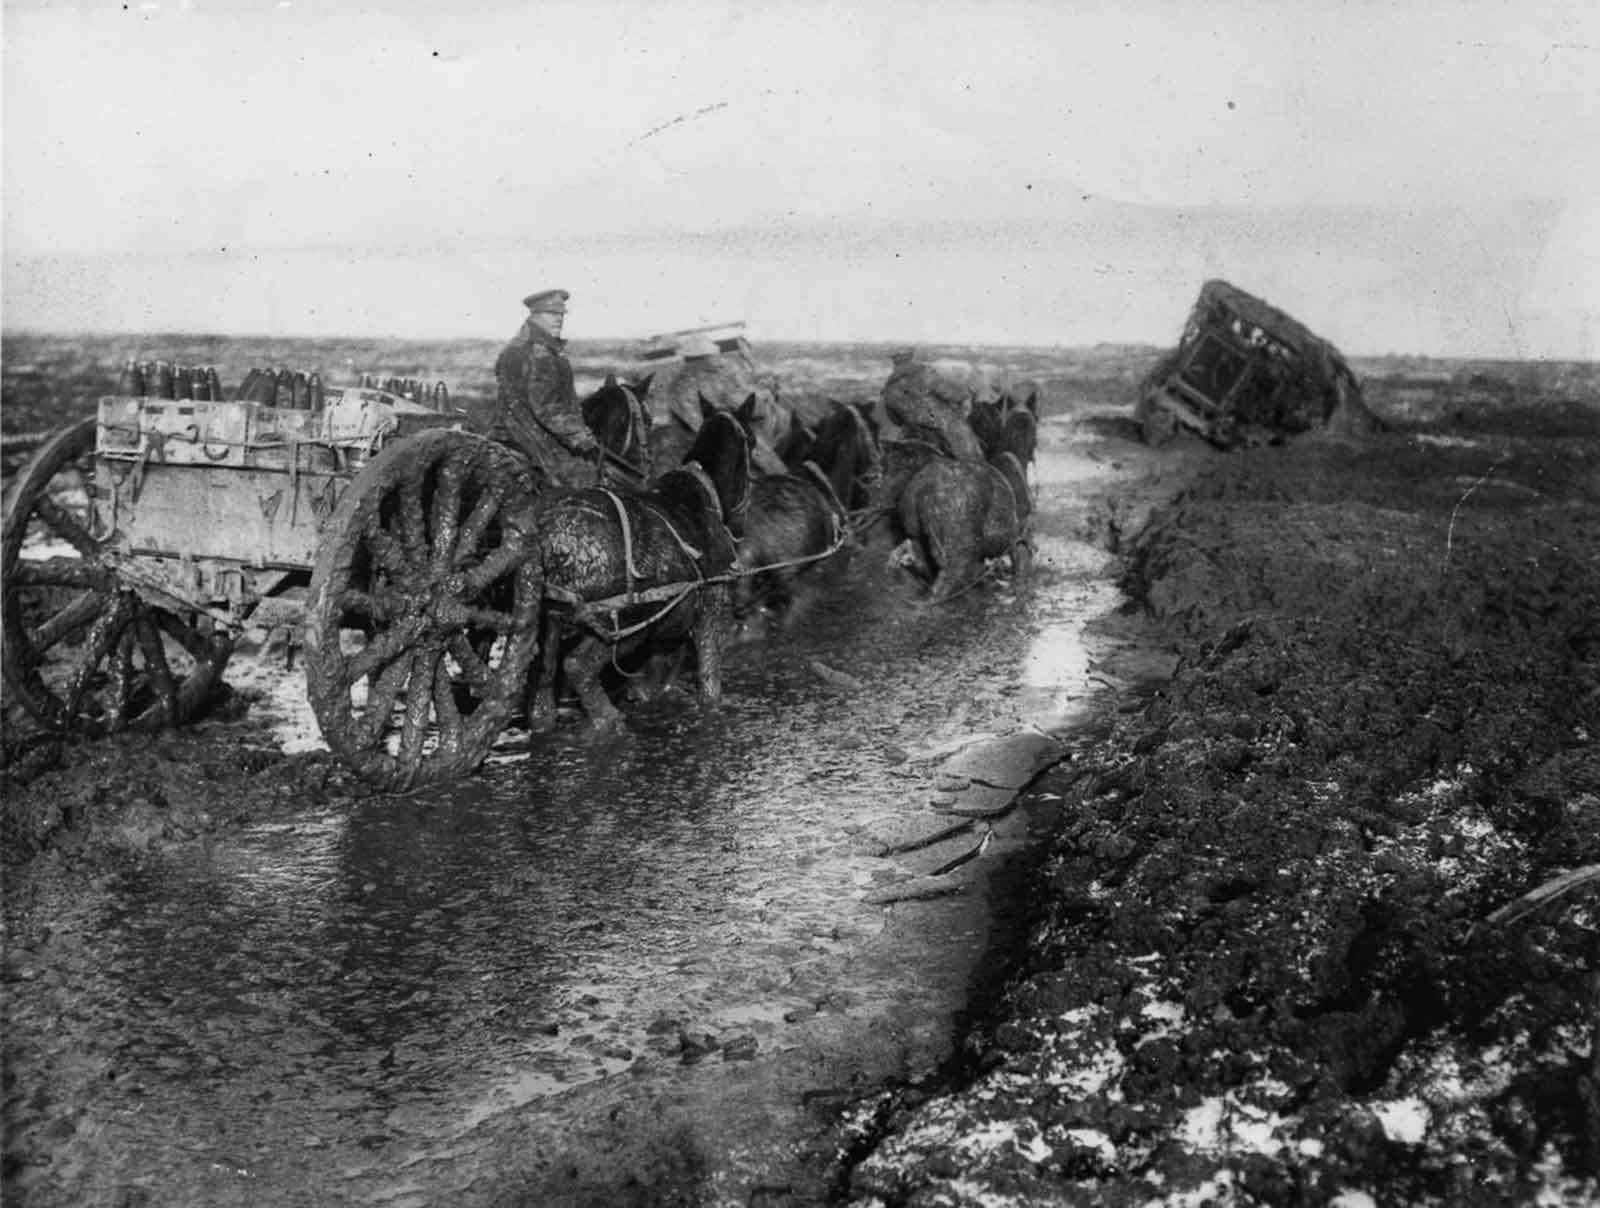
{"type": "Point", "coordinates": [691, 531]}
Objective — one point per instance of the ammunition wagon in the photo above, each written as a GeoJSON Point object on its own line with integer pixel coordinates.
{"type": "Point", "coordinates": [140, 543]}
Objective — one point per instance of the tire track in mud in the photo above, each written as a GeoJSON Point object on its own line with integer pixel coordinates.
{"type": "Point", "coordinates": [389, 999]}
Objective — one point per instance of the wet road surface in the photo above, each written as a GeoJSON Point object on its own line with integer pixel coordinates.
{"type": "Point", "coordinates": [369, 1001]}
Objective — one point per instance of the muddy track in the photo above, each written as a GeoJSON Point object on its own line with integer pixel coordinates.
{"type": "Point", "coordinates": [1266, 970]}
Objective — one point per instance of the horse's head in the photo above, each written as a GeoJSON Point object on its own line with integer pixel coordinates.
{"type": "Point", "coordinates": [619, 420]}
{"type": "Point", "coordinates": [795, 446]}
{"type": "Point", "coordinates": [1023, 395]}
{"type": "Point", "coordinates": [722, 449]}
{"type": "Point", "coordinates": [1020, 435]}
{"type": "Point", "coordinates": [847, 451]}
{"type": "Point", "coordinates": [989, 425]}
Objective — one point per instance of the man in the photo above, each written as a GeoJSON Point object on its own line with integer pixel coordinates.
{"type": "Point", "coordinates": [702, 371]}
{"type": "Point", "coordinates": [918, 403]}
{"type": "Point", "coordinates": [537, 407]}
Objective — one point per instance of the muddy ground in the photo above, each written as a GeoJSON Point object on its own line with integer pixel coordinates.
{"type": "Point", "coordinates": [1269, 966]}
{"type": "Point", "coordinates": [1259, 959]}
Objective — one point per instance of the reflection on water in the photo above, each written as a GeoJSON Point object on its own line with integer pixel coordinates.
{"type": "Point", "coordinates": [317, 999]}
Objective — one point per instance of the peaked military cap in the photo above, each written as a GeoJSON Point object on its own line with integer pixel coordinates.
{"type": "Point", "coordinates": [547, 300]}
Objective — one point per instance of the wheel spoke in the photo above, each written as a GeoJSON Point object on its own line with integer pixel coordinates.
{"type": "Point", "coordinates": [475, 525]}
{"type": "Point", "coordinates": [419, 705]}
{"type": "Point", "coordinates": [413, 520]}
{"type": "Point", "coordinates": [66, 526]}
{"type": "Point", "coordinates": [490, 618]}
{"type": "Point", "coordinates": [70, 620]}
{"type": "Point", "coordinates": [157, 668]}
{"type": "Point", "coordinates": [446, 710]}
{"type": "Point", "coordinates": [380, 651]}
{"type": "Point", "coordinates": [381, 695]}
{"type": "Point", "coordinates": [101, 635]}
{"type": "Point", "coordinates": [119, 684]}
{"type": "Point", "coordinates": [59, 572]}
{"type": "Point", "coordinates": [446, 509]}
{"type": "Point", "coordinates": [389, 553]}
{"type": "Point", "coordinates": [474, 670]}
{"type": "Point", "coordinates": [505, 559]}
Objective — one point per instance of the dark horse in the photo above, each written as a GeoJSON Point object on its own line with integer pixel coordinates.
{"type": "Point", "coordinates": [957, 514]}
{"type": "Point", "coordinates": [620, 420]}
{"type": "Point", "coordinates": [622, 571]}
{"type": "Point", "coordinates": [799, 519]}
{"type": "Point", "coordinates": [1006, 427]}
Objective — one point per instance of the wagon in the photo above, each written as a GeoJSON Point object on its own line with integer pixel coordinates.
{"type": "Point", "coordinates": [1246, 373]}
{"type": "Point", "coordinates": [139, 544]}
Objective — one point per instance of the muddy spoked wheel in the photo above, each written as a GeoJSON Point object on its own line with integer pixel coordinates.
{"type": "Point", "coordinates": [83, 652]}
{"type": "Point", "coordinates": [423, 615]}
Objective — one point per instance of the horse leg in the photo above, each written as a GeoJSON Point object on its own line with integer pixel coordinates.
{"type": "Point", "coordinates": [958, 569]}
{"type": "Point", "coordinates": [711, 630]}
{"type": "Point", "coordinates": [541, 697]}
{"type": "Point", "coordinates": [583, 668]}
{"type": "Point", "coordinates": [1022, 560]}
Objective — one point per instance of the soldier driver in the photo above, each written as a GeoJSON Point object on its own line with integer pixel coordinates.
{"type": "Point", "coordinates": [537, 407]}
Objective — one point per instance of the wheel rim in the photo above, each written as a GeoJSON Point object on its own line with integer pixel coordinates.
{"type": "Point", "coordinates": [81, 652]}
{"type": "Point", "coordinates": [424, 608]}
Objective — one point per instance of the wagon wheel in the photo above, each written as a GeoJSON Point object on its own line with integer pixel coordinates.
{"type": "Point", "coordinates": [81, 651]}
{"type": "Point", "coordinates": [423, 615]}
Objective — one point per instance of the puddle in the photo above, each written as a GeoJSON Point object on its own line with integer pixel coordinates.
{"type": "Point", "coordinates": [327, 1006]}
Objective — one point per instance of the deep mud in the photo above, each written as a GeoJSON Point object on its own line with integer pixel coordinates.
{"type": "Point", "coordinates": [1266, 969]}
{"type": "Point", "coordinates": [1248, 957]}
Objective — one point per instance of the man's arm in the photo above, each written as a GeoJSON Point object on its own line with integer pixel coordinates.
{"type": "Point", "coordinates": [557, 415]}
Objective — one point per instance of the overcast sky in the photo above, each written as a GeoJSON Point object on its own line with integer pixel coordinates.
{"type": "Point", "coordinates": [1416, 177]}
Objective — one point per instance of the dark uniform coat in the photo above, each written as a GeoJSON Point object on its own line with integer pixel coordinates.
{"type": "Point", "coordinates": [928, 407]}
{"type": "Point", "coordinates": [537, 407]}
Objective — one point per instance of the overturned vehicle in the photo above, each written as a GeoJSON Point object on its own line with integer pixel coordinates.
{"type": "Point", "coordinates": [1244, 373]}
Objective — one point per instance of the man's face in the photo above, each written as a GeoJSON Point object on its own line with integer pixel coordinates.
{"type": "Point", "coordinates": [549, 321]}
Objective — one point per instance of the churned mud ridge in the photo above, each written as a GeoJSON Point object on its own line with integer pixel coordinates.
{"type": "Point", "coordinates": [1264, 969]}
{"type": "Point", "coordinates": [96, 803]}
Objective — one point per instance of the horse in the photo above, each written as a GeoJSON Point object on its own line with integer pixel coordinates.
{"type": "Point", "coordinates": [622, 571]}
{"type": "Point", "coordinates": [895, 463]}
{"type": "Point", "coordinates": [845, 450]}
{"type": "Point", "coordinates": [956, 514]}
{"type": "Point", "coordinates": [800, 517]}
{"type": "Point", "coordinates": [1026, 394]}
{"type": "Point", "coordinates": [988, 423]}
{"type": "Point", "coordinates": [794, 446]}
{"type": "Point", "coordinates": [618, 416]}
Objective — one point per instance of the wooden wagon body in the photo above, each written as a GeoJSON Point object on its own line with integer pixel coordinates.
{"type": "Point", "coordinates": [141, 543]}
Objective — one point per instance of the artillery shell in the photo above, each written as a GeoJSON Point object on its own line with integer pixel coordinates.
{"type": "Point", "coordinates": [316, 398]}
{"type": "Point", "coordinates": [441, 397]}
{"type": "Point", "coordinates": [267, 387]}
{"type": "Point", "coordinates": [299, 396]}
{"type": "Point", "coordinates": [162, 386]}
{"type": "Point", "coordinates": [182, 381]}
{"type": "Point", "coordinates": [213, 385]}
{"type": "Point", "coordinates": [199, 388]}
{"type": "Point", "coordinates": [131, 383]}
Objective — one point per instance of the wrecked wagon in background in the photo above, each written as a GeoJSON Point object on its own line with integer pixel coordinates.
{"type": "Point", "coordinates": [1245, 373]}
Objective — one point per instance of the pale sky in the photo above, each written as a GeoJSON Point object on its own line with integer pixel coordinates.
{"type": "Point", "coordinates": [1416, 177]}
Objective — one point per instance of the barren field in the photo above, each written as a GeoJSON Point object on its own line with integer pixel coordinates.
{"type": "Point", "coordinates": [1263, 941]}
